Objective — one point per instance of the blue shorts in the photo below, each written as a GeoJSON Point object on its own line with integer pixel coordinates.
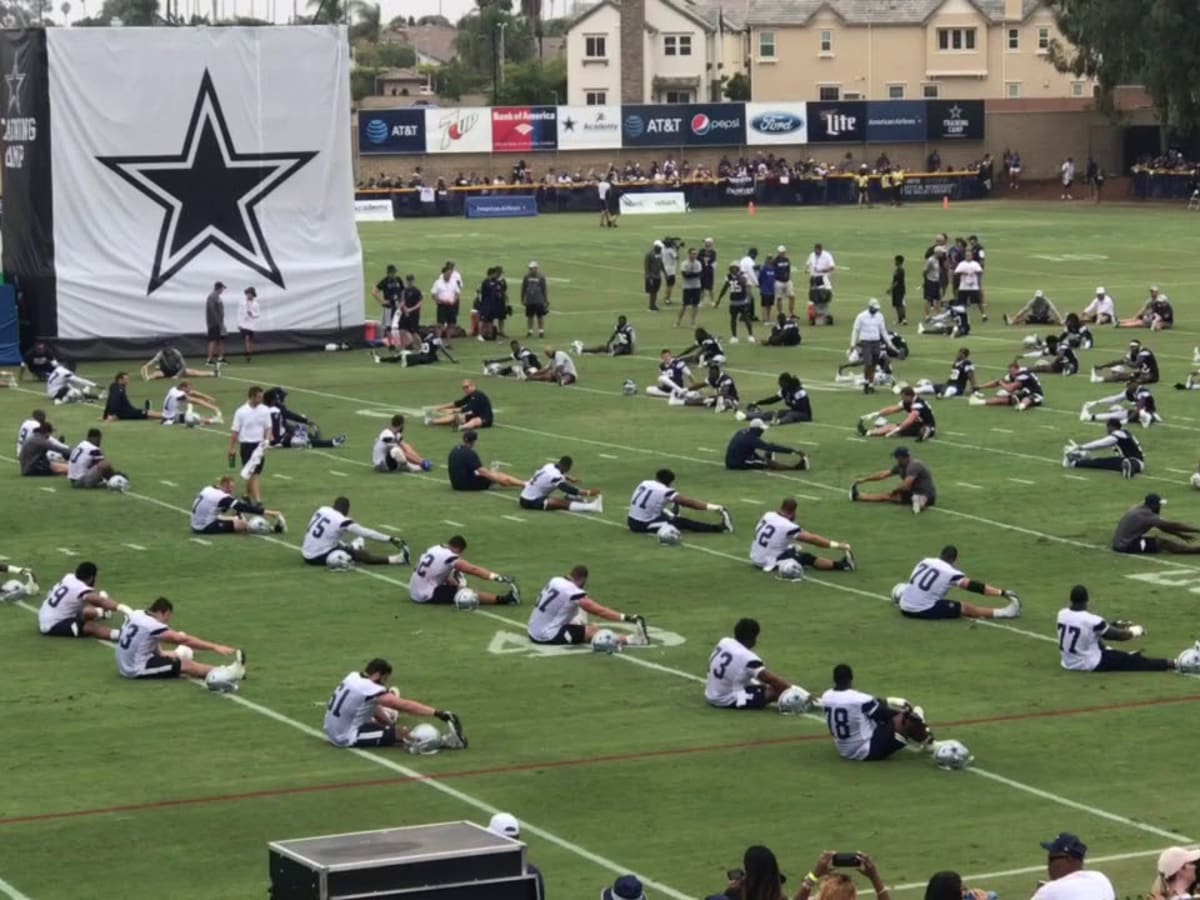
{"type": "Point", "coordinates": [943, 609]}
{"type": "Point", "coordinates": [884, 742]}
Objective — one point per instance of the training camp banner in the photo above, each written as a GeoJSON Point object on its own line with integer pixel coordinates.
{"type": "Point", "coordinates": [221, 161]}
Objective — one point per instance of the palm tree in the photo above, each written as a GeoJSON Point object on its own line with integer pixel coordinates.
{"type": "Point", "coordinates": [327, 12]}
{"type": "Point", "coordinates": [367, 25]}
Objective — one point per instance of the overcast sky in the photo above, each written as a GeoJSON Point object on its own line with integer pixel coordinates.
{"type": "Point", "coordinates": [281, 10]}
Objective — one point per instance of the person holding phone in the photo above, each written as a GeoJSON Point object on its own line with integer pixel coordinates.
{"type": "Point", "coordinates": [824, 883]}
{"type": "Point", "coordinates": [758, 879]}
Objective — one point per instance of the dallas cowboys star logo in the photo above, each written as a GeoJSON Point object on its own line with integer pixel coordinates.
{"type": "Point", "coordinates": [955, 111]}
{"type": "Point", "coordinates": [208, 192]}
{"type": "Point", "coordinates": [14, 80]}
{"type": "Point", "coordinates": [568, 124]}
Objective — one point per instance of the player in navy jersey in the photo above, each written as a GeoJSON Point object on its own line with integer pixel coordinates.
{"type": "Point", "coordinates": [1076, 333]}
{"type": "Point", "coordinates": [741, 303]}
{"type": "Point", "coordinates": [955, 321]}
{"type": "Point", "coordinates": [959, 383]}
{"type": "Point", "coordinates": [620, 343]}
{"type": "Point", "coordinates": [674, 377]}
{"type": "Point", "coordinates": [1055, 356]}
{"type": "Point", "coordinates": [520, 361]}
{"type": "Point", "coordinates": [785, 332]}
{"type": "Point", "coordinates": [794, 397]}
{"type": "Point", "coordinates": [1126, 454]}
{"type": "Point", "coordinates": [1140, 363]}
{"type": "Point", "coordinates": [705, 351]}
{"type": "Point", "coordinates": [718, 392]}
{"type": "Point", "coordinates": [917, 422]}
{"type": "Point", "coordinates": [1134, 404]}
{"type": "Point", "coordinates": [1020, 389]}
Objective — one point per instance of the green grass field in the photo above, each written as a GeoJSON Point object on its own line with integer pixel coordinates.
{"type": "Point", "coordinates": [616, 763]}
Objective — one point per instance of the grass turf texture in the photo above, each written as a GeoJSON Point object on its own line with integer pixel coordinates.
{"type": "Point", "coordinates": [608, 754]}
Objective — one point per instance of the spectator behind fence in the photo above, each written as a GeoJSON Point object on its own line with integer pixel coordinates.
{"type": "Point", "coordinates": [949, 886]}
{"type": "Point", "coordinates": [1068, 879]}
{"type": "Point", "coordinates": [824, 883]}
{"type": "Point", "coordinates": [627, 887]}
{"type": "Point", "coordinates": [1176, 876]}
{"type": "Point", "coordinates": [758, 879]}
{"type": "Point", "coordinates": [506, 825]}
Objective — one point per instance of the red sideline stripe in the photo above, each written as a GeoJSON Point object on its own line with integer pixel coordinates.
{"type": "Point", "coordinates": [561, 763]}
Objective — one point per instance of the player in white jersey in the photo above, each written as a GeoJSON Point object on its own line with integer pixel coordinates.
{"type": "Point", "coordinates": [737, 678]}
{"type": "Point", "coordinates": [324, 535]}
{"type": "Point", "coordinates": [777, 534]}
{"type": "Point", "coordinates": [560, 614]}
{"type": "Point", "coordinates": [560, 369]}
{"type": "Point", "coordinates": [74, 608]}
{"type": "Point", "coordinates": [363, 709]}
{"type": "Point", "coordinates": [64, 386]}
{"type": "Point", "coordinates": [249, 435]}
{"type": "Point", "coordinates": [656, 503]}
{"type": "Point", "coordinates": [178, 403]}
{"type": "Point", "coordinates": [217, 511]}
{"type": "Point", "coordinates": [392, 453]}
{"type": "Point", "coordinates": [140, 654]}
{"type": "Point", "coordinates": [866, 729]}
{"type": "Point", "coordinates": [28, 427]}
{"type": "Point", "coordinates": [924, 595]}
{"type": "Point", "coordinates": [441, 573]}
{"type": "Point", "coordinates": [87, 466]}
{"type": "Point", "coordinates": [1081, 636]}
{"type": "Point", "coordinates": [538, 491]}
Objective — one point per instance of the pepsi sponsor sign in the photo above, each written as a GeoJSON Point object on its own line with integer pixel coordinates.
{"type": "Point", "coordinates": [391, 131]}
{"type": "Point", "coordinates": [776, 123]}
{"type": "Point", "coordinates": [678, 125]}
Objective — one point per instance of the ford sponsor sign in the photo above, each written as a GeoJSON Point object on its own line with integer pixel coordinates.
{"type": "Point", "coordinates": [776, 123]}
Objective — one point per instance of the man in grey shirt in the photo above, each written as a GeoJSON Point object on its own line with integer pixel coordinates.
{"type": "Point", "coordinates": [1131, 530]}
{"type": "Point", "coordinates": [690, 271]}
{"type": "Point", "coordinates": [916, 483]}
{"type": "Point", "coordinates": [214, 319]}
{"type": "Point", "coordinates": [34, 460]}
{"type": "Point", "coordinates": [536, 300]}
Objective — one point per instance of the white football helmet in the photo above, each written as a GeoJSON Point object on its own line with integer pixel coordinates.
{"type": "Point", "coordinates": [1195, 480]}
{"type": "Point", "coordinates": [258, 525]}
{"type": "Point", "coordinates": [604, 641]}
{"type": "Point", "coordinates": [222, 680]}
{"type": "Point", "coordinates": [629, 388]}
{"type": "Point", "coordinates": [951, 755]}
{"type": "Point", "coordinates": [1188, 662]}
{"type": "Point", "coordinates": [898, 592]}
{"type": "Point", "coordinates": [55, 457]}
{"type": "Point", "coordinates": [1031, 340]}
{"type": "Point", "coordinates": [423, 740]}
{"type": "Point", "coordinates": [790, 570]}
{"type": "Point", "coordinates": [880, 421]}
{"type": "Point", "coordinates": [190, 419]}
{"type": "Point", "coordinates": [853, 355]}
{"type": "Point", "coordinates": [119, 483]}
{"type": "Point", "coordinates": [13, 590]}
{"type": "Point", "coordinates": [339, 561]}
{"type": "Point", "coordinates": [466, 599]}
{"type": "Point", "coordinates": [795, 701]}
{"type": "Point", "coordinates": [183, 651]}
{"type": "Point", "coordinates": [670, 535]}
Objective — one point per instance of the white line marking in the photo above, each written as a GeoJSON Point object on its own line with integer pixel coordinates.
{"type": "Point", "coordinates": [513, 518]}
{"type": "Point", "coordinates": [453, 524]}
{"type": "Point", "coordinates": [967, 484]}
{"type": "Point", "coordinates": [135, 547]}
{"type": "Point", "coordinates": [9, 891]}
{"type": "Point", "coordinates": [284, 477]}
{"type": "Point", "coordinates": [1001, 430]}
{"type": "Point", "coordinates": [1022, 481]}
{"type": "Point", "coordinates": [607, 456]}
{"type": "Point", "coordinates": [806, 496]}
{"type": "Point", "coordinates": [48, 490]}
{"type": "Point", "coordinates": [1075, 477]}
{"type": "Point", "coordinates": [197, 540]}
{"type": "Point", "coordinates": [337, 474]}
{"type": "Point", "coordinates": [66, 552]}
{"type": "Point", "coordinates": [167, 483]}
{"type": "Point", "coordinates": [857, 440]}
{"type": "Point", "coordinates": [749, 500]}
{"type": "Point", "coordinates": [956, 433]}
{"type": "Point", "coordinates": [706, 449]}
{"type": "Point", "coordinates": [1180, 471]}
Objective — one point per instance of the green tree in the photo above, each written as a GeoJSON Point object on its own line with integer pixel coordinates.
{"type": "Point", "coordinates": [367, 22]}
{"type": "Point", "coordinates": [384, 55]}
{"type": "Point", "coordinates": [453, 80]}
{"type": "Point", "coordinates": [327, 12]}
{"type": "Point", "coordinates": [434, 20]}
{"type": "Point", "coordinates": [362, 82]}
{"type": "Point", "coordinates": [534, 83]}
{"type": "Point", "coordinates": [555, 27]}
{"type": "Point", "coordinates": [1155, 43]}
{"type": "Point", "coordinates": [737, 87]}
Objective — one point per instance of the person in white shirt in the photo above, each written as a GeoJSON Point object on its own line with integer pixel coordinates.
{"type": "Point", "coordinates": [1175, 874]}
{"type": "Point", "coordinates": [777, 534]}
{"type": "Point", "coordinates": [323, 535]}
{"type": "Point", "coordinates": [217, 511]}
{"type": "Point", "coordinates": [748, 267]}
{"type": "Point", "coordinates": [74, 608]}
{"type": "Point", "coordinates": [178, 403]}
{"type": "Point", "coordinates": [249, 314]}
{"type": "Point", "coordinates": [560, 614]}
{"type": "Point", "coordinates": [64, 386]}
{"type": "Point", "coordinates": [87, 466]}
{"type": "Point", "coordinates": [1156, 313]}
{"type": "Point", "coordinates": [870, 336]}
{"type": "Point", "coordinates": [648, 508]}
{"type": "Point", "coordinates": [392, 453]}
{"type": "Point", "coordinates": [1081, 636]}
{"type": "Point", "coordinates": [140, 654]}
{"type": "Point", "coordinates": [28, 427]}
{"type": "Point", "coordinates": [1068, 878]}
{"type": "Point", "coordinates": [1068, 177]}
{"type": "Point", "coordinates": [1101, 310]}
{"type": "Point", "coordinates": [737, 677]}
{"type": "Point", "coordinates": [249, 436]}
{"type": "Point", "coordinates": [923, 596]}
{"type": "Point", "coordinates": [820, 266]}
{"type": "Point", "coordinates": [446, 291]}
{"type": "Point", "coordinates": [670, 267]}
{"type": "Point", "coordinates": [560, 369]}
{"type": "Point", "coordinates": [866, 729]}
{"type": "Point", "coordinates": [969, 274]}
{"type": "Point", "coordinates": [441, 574]}
{"type": "Point", "coordinates": [539, 489]}
{"type": "Point", "coordinates": [363, 710]}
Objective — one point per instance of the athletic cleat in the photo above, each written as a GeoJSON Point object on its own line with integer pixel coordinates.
{"type": "Point", "coordinates": [636, 639]}
{"type": "Point", "coordinates": [599, 502]}
{"type": "Point", "coordinates": [920, 328]}
{"type": "Point", "coordinates": [1005, 318]}
{"type": "Point", "coordinates": [751, 339]}
{"type": "Point", "coordinates": [719, 406]}
{"type": "Point", "coordinates": [515, 593]}
{"type": "Point", "coordinates": [1012, 611]}
{"type": "Point", "coordinates": [925, 434]}
{"type": "Point", "coordinates": [374, 357]}
{"type": "Point", "coordinates": [726, 520]}
{"type": "Point", "coordinates": [456, 737]}
{"type": "Point", "coordinates": [1085, 414]}
{"type": "Point", "coordinates": [577, 346]}
{"type": "Point", "coordinates": [733, 340]}
{"type": "Point", "coordinates": [916, 505]}
{"type": "Point", "coordinates": [977, 399]}
{"type": "Point", "coordinates": [853, 493]}
{"type": "Point", "coordinates": [429, 416]}
{"type": "Point", "coordinates": [1179, 386]}
{"type": "Point", "coordinates": [339, 441]}
{"type": "Point", "coordinates": [1095, 377]}
{"type": "Point", "coordinates": [848, 561]}
{"type": "Point", "coordinates": [238, 666]}
{"type": "Point", "coordinates": [1196, 354]}
{"type": "Point", "coordinates": [803, 463]}
{"type": "Point", "coordinates": [642, 633]}
{"type": "Point", "coordinates": [1145, 419]}
{"type": "Point", "coordinates": [862, 427]}
{"type": "Point", "coordinates": [676, 400]}
{"type": "Point", "coordinates": [1127, 468]}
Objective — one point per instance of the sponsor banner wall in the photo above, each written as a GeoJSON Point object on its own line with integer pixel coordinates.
{"type": "Point", "coordinates": [524, 129]}
{"type": "Point", "coordinates": [680, 125]}
{"type": "Point", "coordinates": [634, 204]}
{"type": "Point", "coordinates": [498, 206]}
{"type": "Point", "coordinates": [373, 211]}
{"type": "Point", "coordinates": [589, 127]}
{"type": "Point", "coordinates": [391, 131]}
{"type": "Point", "coordinates": [222, 161]}
{"type": "Point", "coordinates": [466, 130]}
{"type": "Point", "coordinates": [895, 121]}
{"type": "Point", "coordinates": [954, 120]}
{"type": "Point", "coordinates": [776, 123]}
{"type": "Point", "coordinates": [837, 123]}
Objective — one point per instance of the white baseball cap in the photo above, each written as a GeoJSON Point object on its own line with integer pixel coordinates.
{"type": "Point", "coordinates": [1175, 858]}
{"type": "Point", "coordinates": [1038, 294]}
{"type": "Point", "coordinates": [759, 424]}
{"type": "Point", "coordinates": [1100, 290]}
{"type": "Point", "coordinates": [1154, 287]}
{"type": "Point", "coordinates": [533, 264]}
{"type": "Point", "coordinates": [505, 825]}
{"type": "Point", "coordinates": [781, 249]}
{"type": "Point", "coordinates": [872, 303]}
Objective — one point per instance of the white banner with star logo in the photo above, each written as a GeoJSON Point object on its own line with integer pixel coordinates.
{"type": "Point", "coordinates": [589, 127]}
{"type": "Point", "coordinates": [186, 156]}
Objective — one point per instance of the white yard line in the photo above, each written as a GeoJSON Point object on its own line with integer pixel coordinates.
{"type": "Point", "coordinates": [453, 524]}
{"type": "Point", "coordinates": [1022, 481]}
{"type": "Point", "coordinates": [11, 892]}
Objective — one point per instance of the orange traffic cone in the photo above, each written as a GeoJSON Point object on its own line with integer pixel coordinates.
{"type": "Point", "coordinates": [751, 208]}
{"type": "Point", "coordinates": [945, 201]}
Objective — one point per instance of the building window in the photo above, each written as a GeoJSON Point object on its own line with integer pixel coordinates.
{"type": "Point", "coordinates": [595, 98]}
{"type": "Point", "coordinates": [766, 45]}
{"type": "Point", "coordinates": [677, 45]}
{"type": "Point", "coordinates": [1078, 89]}
{"type": "Point", "coordinates": [826, 42]}
{"type": "Point", "coordinates": [1012, 90]}
{"type": "Point", "coordinates": [1043, 39]}
{"type": "Point", "coordinates": [852, 95]}
{"type": "Point", "coordinates": [895, 91]}
{"type": "Point", "coordinates": [956, 38]}
{"type": "Point", "coordinates": [595, 46]}
{"type": "Point", "coordinates": [930, 91]}
{"type": "Point", "coordinates": [678, 97]}
{"type": "Point", "coordinates": [1014, 39]}
{"type": "Point", "coordinates": [829, 92]}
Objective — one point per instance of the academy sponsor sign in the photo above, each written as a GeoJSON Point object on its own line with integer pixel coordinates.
{"type": "Point", "coordinates": [589, 127]}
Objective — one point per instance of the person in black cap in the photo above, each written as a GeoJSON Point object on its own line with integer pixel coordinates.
{"type": "Point", "coordinates": [1130, 536]}
{"type": "Point", "coordinates": [627, 887]}
{"type": "Point", "coordinates": [1068, 879]}
{"type": "Point", "coordinates": [214, 319]}
{"type": "Point", "coordinates": [388, 292]}
{"type": "Point", "coordinates": [748, 450]}
{"type": "Point", "coordinates": [916, 483]}
{"type": "Point", "coordinates": [467, 472]}
{"type": "Point", "coordinates": [1081, 636]}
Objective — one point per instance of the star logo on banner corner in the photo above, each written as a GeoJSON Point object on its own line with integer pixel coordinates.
{"type": "Point", "coordinates": [209, 192]}
{"type": "Point", "coordinates": [568, 124]}
{"type": "Point", "coordinates": [14, 81]}
{"type": "Point", "coordinates": [955, 111]}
